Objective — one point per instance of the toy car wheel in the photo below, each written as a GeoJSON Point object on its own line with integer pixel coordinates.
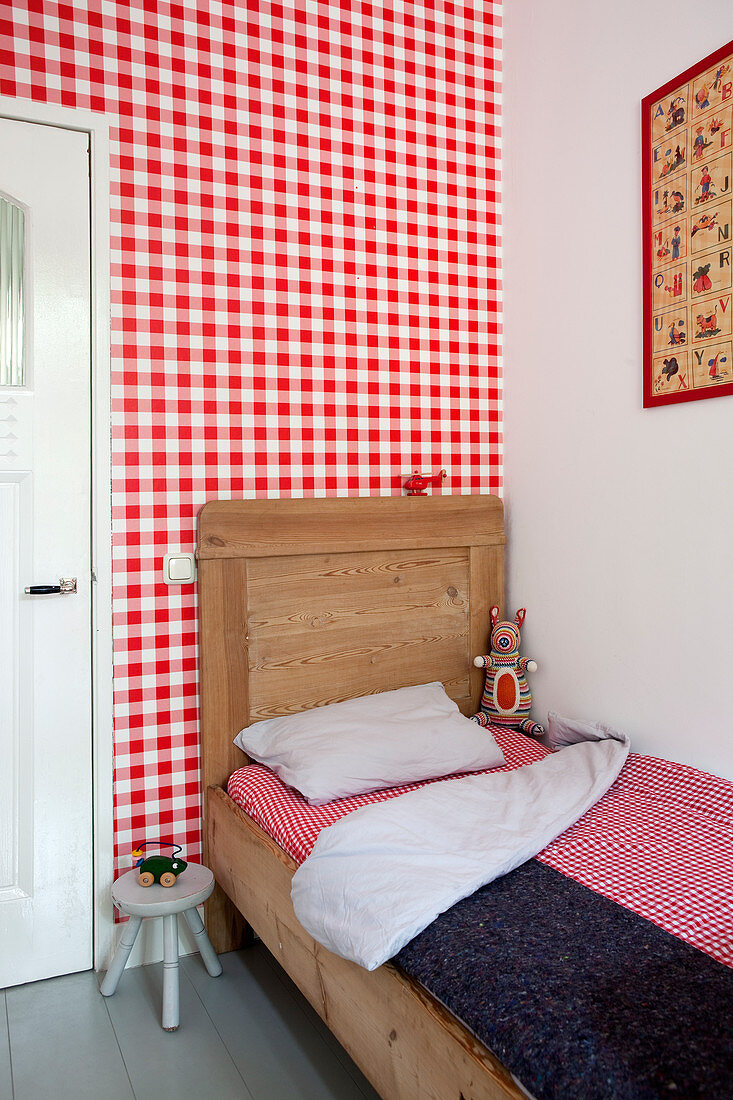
{"type": "Point", "coordinates": [146, 878]}
{"type": "Point", "coordinates": [167, 879]}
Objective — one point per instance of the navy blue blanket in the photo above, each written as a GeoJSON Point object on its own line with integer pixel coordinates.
{"type": "Point", "coordinates": [577, 996]}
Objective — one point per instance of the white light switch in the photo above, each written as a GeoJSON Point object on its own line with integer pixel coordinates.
{"type": "Point", "coordinates": [179, 568]}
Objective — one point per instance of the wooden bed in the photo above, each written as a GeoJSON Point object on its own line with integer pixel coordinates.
{"type": "Point", "coordinates": [307, 602]}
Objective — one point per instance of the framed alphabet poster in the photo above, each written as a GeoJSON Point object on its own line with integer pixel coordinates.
{"type": "Point", "coordinates": [687, 139]}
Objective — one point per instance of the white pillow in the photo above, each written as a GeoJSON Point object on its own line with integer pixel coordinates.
{"type": "Point", "coordinates": [562, 732]}
{"type": "Point", "coordinates": [369, 743]}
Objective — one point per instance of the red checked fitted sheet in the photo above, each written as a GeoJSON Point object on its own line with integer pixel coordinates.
{"type": "Point", "coordinates": [659, 842]}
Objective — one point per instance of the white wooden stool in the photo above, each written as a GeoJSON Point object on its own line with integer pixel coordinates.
{"type": "Point", "coordinates": [190, 888]}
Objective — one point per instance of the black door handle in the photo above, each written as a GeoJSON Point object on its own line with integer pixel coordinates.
{"type": "Point", "coordinates": [66, 584]}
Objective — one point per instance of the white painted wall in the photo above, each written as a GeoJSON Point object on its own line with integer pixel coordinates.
{"type": "Point", "coordinates": [620, 520]}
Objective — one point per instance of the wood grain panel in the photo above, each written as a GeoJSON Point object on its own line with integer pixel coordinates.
{"type": "Point", "coordinates": [289, 584]}
{"type": "Point", "coordinates": [332, 678]}
{"type": "Point", "coordinates": [224, 675]}
{"type": "Point", "coordinates": [268, 528]}
{"type": "Point", "coordinates": [403, 1040]}
{"type": "Point", "coordinates": [224, 704]}
{"type": "Point", "coordinates": [486, 586]}
{"type": "Point", "coordinates": [350, 624]}
{"type": "Point", "coordinates": [363, 614]}
{"type": "Point", "coordinates": [457, 687]}
{"type": "Point", "coordinates": [349, 651]}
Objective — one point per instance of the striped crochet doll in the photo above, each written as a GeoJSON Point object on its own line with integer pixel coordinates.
{"type": "Point", "coordinates": [506, 700]}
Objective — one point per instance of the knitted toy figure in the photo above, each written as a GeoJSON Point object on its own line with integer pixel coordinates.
{"type": "Point", "coordinates": [506, 700]}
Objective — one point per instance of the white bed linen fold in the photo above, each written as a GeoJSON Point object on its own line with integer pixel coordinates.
{"type": "Point", "coordinates": [380, 875]}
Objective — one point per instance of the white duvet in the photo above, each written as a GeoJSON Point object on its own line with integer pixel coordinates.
{"type": "Point", "coordinates": [384, 872]}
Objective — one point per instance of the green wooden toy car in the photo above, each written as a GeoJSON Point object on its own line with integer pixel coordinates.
{"type": "Point", "coordinates": [162, 869]}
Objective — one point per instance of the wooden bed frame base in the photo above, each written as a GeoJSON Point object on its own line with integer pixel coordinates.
{"type": "Point", "coordinates": [301, 603]}
{"type": "Point", "coordinates": [403, 1040]}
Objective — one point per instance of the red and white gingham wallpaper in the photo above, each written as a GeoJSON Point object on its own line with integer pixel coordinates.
{"type": "Point", "coordinates": [305, 288]}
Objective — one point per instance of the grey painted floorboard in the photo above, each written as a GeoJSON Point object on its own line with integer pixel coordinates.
{"type": "Point", "coordinates": [247, 1035]}
{"type": "Point", "coordinates": [6, 1079]}
{"type": "Point", "coordinates": [62, 1042]}
{"type": "Point", "coordinates": [274, 1043]}
{"type": "Point", "coordinates": [311, 1014]}
{"type": "Point", "coordinates": [190, 1062]}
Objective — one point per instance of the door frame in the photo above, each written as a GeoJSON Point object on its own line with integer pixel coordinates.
{"type": "Point", "coordinates": [97, 127]}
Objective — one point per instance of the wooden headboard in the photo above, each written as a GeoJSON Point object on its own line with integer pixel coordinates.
{"type": "Point", "coordinates": [306, 602]}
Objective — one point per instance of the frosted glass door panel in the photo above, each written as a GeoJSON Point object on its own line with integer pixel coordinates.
{"type": "Point", "coordinates": [12, 310]}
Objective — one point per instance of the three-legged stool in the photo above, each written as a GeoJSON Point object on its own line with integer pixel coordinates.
{"type": "Point", "coordinates": [192, 887]}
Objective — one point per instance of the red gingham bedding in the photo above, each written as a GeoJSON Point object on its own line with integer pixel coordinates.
{"type": "Point", "coordinates": [659, 842]}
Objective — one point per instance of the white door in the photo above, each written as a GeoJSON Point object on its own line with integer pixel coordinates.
{"type": "Point", "coordinates": [45, 528]}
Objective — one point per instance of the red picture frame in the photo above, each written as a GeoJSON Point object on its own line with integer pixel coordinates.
{"type": "Point", "coordinates": [687, 226]}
